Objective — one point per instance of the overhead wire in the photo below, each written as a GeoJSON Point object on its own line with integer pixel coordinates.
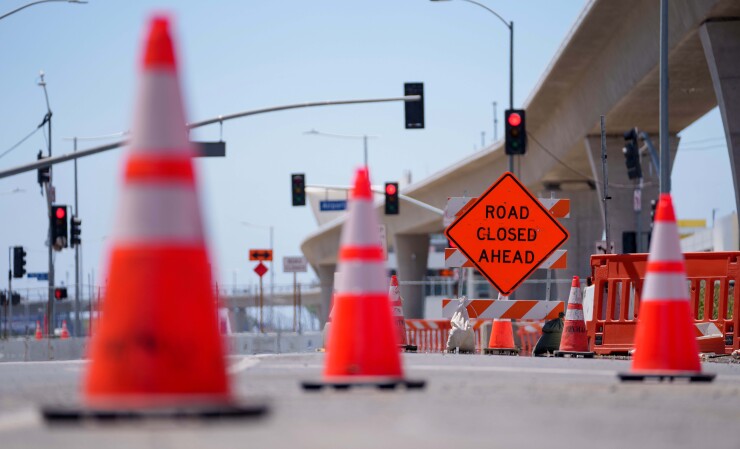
{"type": "Point", "coordinates": [21, 141]}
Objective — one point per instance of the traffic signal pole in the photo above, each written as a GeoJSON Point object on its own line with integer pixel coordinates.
{"type": "Point", "coordinates": [511, 80]}
{"type": "Point", "coordinates": [77, 328]}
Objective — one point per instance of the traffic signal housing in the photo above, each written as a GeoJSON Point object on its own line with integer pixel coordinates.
{"type": "Point", "coordinates": [392, 206]}
{"type": "Point", "coordinates": [516, 131]}
{"type": "Point", "coordinates": [631, 152]}
{"type": "Point", "coordinates": [75, 232]}
{"type": "Point", "coordinates": [414, 109]}
{"type": "Point", "coordinates": [60, 293]}
{"type": "Point", "coordinates": [43, 175]}
{"type": "Point", "coordinates": [19, 262]}
{"type": "Point", "coordinates": [298, 181]}
{"type": "Point", "coordinates": [59, 227]}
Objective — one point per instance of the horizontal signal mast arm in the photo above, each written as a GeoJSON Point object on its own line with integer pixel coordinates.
{"type": "Point", "coordinates": [220, 119]}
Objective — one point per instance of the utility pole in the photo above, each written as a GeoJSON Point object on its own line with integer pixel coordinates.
{"type": "Point", "coordinates": [49, 202]}
{"type": "Point", "coordinates": [495, 122]}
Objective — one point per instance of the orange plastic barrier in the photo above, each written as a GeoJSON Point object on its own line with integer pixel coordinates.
{"type": "Point", "coordinates": [618, 281]}
{"type": "Point", "coordinates": [431, 335]}
{"type": "Point", "coordinates": [529, 333]}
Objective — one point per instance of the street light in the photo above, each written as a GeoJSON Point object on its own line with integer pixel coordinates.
{"type": "Point", "coordinates": [510, 26]}
{"type": "Point", "coordinates": [364, 138]}
{"type": "Point", "coordinates": [38, 2]}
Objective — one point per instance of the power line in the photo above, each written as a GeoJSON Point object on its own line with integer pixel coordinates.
{"type": "Point", "coordinates": [21, 141]}
{"type": "Point", "coordinates": [588, 178]}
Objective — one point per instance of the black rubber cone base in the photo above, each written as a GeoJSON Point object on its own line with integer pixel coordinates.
{"type": "Point", "coordinates": [670, 377]}
{"type": "Point", "coordinates": [409, 348]}
{"type": "Point", "coordinates": [501, 351]}
{"type": "Point", "coordinates": [574, 354]}
{"type": "Point", "coordinates": [342, 384]}
{"type": "Point", "coordinates": [60, 414]}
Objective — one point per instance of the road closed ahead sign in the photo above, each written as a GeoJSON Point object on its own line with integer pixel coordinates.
{"type": "Point", "coordinates": [507, 233]}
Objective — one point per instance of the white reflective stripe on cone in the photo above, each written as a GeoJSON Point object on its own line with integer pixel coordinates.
{"type": "Point", "coordinates": [665, 287]}
{"type": "Point", "coordinates": [664, 246]}
{"type": "Point", "coordinates": [361, 227]}
{"type": "Point", "coordinates": [159, 121]}
{"type": "Point", "coordinates": [575, 296]}
{"type": "Point", "coordinates": [574, 314]}
{"type": "Point", "coordinates": [158, 213]}
{"type": "Point", "coordinates": [360, 277]}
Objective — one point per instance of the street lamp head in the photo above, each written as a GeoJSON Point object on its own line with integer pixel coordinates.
{"type": "Point", "coordinates": [312, 131]}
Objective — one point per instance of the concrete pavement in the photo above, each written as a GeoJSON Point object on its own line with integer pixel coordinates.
{"type": "Point", "coordinates": [470, 401]}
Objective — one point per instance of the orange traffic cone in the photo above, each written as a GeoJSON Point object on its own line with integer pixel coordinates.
{"type": "Point", "coordinates": [363, 346]}
{"type": "Point", "coordinates": [157, 349]}
{"type": "Point", "coordinates": [65, 332]}
{"type": "Point", "coordinates": [574, 340]}
{"type": "Point", "coordinates": [397, 305]}
{"type": "Point", "coordinates": [665, 341]}
{"type": "Point", "coordinates": [502, 336]}
{"type": "Point", "coordinates": [38, 335]}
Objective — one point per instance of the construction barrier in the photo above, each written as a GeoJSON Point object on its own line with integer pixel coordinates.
{"type": "Point", "coordinates": [528, 333]}
{"type": "Point", "coordinates": [431, 335]}
{"type": "Point", "coordinates": [618, 280]}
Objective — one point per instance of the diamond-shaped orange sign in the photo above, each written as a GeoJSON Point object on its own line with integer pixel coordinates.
{"type": "Point", "coordinates": [507, 233]}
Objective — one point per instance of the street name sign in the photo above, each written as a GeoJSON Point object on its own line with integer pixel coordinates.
{"type": "Point", "coordinates": [260, 254]}
{"type": "Point", "coordinates": [38, 276]}
{"type": "Point", "coordinates": [294, 264]}
{"type": "Point", "coordinates": [506, 233]}
{"type": "Point", "coordinates": [332, 205]}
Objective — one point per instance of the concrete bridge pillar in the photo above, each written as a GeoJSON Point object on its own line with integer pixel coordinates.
{"type": "Point", "coordinates": [326, 282]}
{"type": "Point", "coordinates": [721, 41]}
{"type": "Point", "coordinates": [620, 208]}
{"type": "Point", "coordinates": [412, 251]}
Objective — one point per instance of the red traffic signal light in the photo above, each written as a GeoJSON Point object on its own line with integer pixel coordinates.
{"type": "Point", "coordinates": [60, 293]}
{"type": "Point", "coordinates": [515, 119]}
{"type": "Point", "coordinates": [516, 131]}
{"type": "Point", "coordinates": [392, 205]}
{"type": "Point", "coordinates": [60, 213]}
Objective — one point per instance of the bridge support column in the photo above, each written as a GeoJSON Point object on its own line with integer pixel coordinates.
{"type": "Point", "coordinates": [326, 281]}
{"type": "Point", "coordinates": [620, 208]}
{"type": "Point", "coordinates": [412, 251]}
{"type": "Point", "coordinates": [721, 41]}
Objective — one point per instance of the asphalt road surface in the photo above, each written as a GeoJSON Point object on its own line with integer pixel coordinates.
{"type": "Point", "coordinates": [470, 401]}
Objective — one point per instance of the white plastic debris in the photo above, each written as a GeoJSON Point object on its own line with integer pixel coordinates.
{"type": "Point", "coordinates": [461, 336]}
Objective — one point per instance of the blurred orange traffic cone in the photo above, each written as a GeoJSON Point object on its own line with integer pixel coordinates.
{"type": "Point", "coordinates": [363, 344]}
{"type": "Point", "coordinates": [502, 335]}
{"type": "Point", "coordinates": [397, 306]}
{"type": "Point", "coordinates": [38, 335]}
{"type": "Point", "coordinates": [157, 349]}
{"type": "Point", "coordinates": [574, 340]}
{"type": "Point", "coordinates": [65, 332]}
{"type": "Point", "coordinates": [665, 344]}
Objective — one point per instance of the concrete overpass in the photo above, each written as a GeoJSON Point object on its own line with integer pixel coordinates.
{"type": "Point", "coordinates": [607, 65]}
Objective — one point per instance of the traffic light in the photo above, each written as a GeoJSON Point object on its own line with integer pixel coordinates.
{"type": "Point", "coordinates": [414, 109]}
{"type": "Point", "coordinates": [391, 198]}
{"type": "Point", "coordinates": [516, 131]}
{"type": "Point", "coordinates": [75, 232]}
{"type": "Point", "coordinates": [59, 227]}
{"type": "Point", "coordinates": [299, 189]}
{"type": "Point", "coordinates": [43, 175]}
{"type": "Point", "coordinates": [19, 262]}
{"type": "Point", "coordinates": [632, 154]}
{"type": "Point", "coordinates": [60, 293]}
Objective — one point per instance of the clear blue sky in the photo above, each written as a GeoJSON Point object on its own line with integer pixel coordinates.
{"type": "Point", "coordinates": [240, 55]}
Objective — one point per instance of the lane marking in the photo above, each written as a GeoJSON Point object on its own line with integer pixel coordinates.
{"type": "Point", "coordinates": [19, 420]}
{"type": "Point", "coordinates": [511, 369]}
{"type": "Point", "coordinates": [243, 364]}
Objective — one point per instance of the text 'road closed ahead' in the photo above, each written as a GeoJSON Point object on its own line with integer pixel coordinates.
{"type": "Point", "coordinates": [507, 233]}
